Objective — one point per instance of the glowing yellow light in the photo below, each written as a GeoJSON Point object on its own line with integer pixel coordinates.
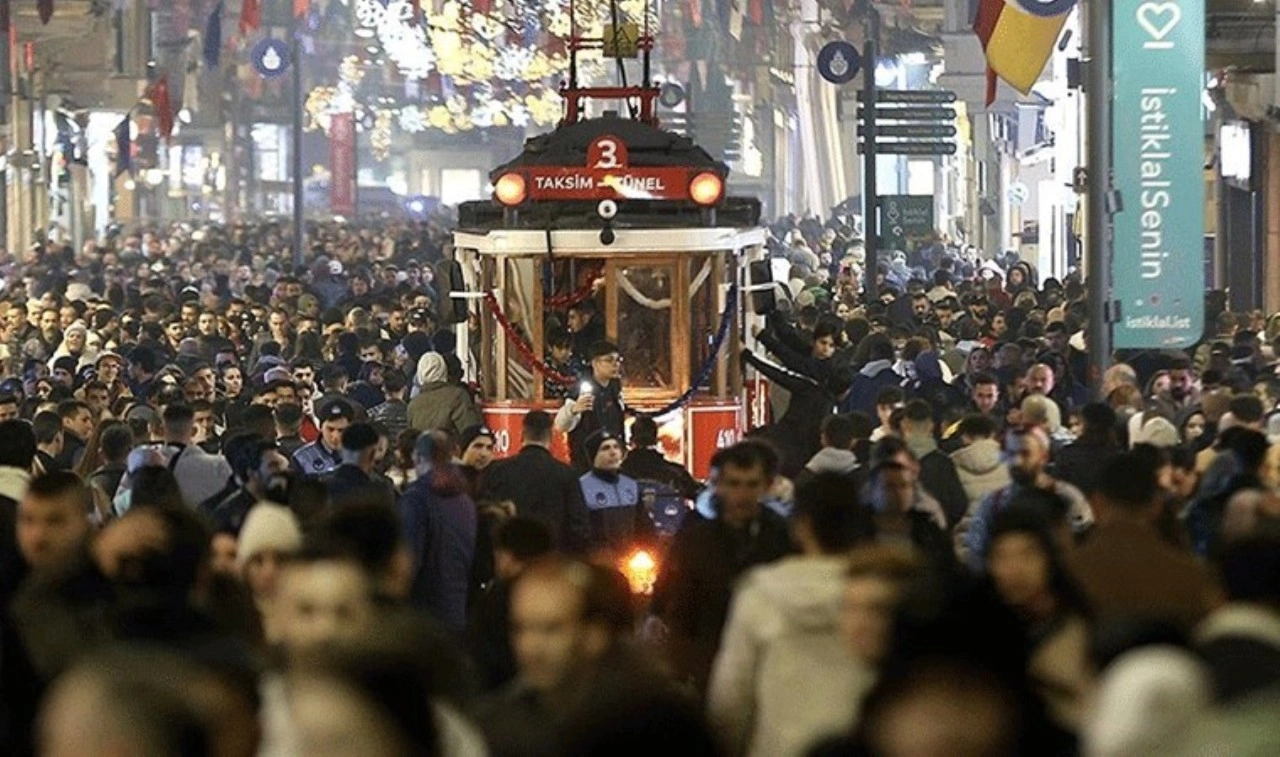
{"type": "Point", "coordinates": [510, 189]}
{"type": "Point", "coordinates": [641, 571]}
{"type": "Point", "coordinates": [706, 189]}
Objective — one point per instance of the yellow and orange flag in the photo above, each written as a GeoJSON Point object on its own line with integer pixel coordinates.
{"type": "Point", "coordinates": [1017, 37]}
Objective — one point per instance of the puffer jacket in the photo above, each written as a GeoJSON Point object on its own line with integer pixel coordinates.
{"type": "Point", "coordinates": [981, 469]}
{"type": "Point", "coordinates": [783, 678]}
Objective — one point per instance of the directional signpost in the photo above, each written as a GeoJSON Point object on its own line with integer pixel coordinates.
{"type": "Point", "coordinates": [910, 122]}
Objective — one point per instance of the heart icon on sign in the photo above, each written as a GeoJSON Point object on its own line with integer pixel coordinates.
{"type": "Point", "coordinates": [1158, 19]}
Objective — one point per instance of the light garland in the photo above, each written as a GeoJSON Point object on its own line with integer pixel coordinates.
{"type": "Point", "coordinates": [504, 65]}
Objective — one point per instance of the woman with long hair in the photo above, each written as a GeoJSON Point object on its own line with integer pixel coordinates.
{"type": "Point", "coordinates": [1025, 567]}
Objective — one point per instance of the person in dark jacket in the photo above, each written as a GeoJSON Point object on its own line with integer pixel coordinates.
{"type": "Point", "coordinates": [355, 479]}
{"type": "Point", "coordinates": [596, 403]}
{"type": "Point", "coordinates": [799, 355]}
{"type": "Point", "coordinates": [891, 494]}
{"type": "Point", "coordinates": [541, 487]}
{"type": "Point", "coordinates": [874, 376]}
{"type": "Point", "coordinates": [440, 526]}
{"type": "Point", "coordinates": [694, 588]}
{"type": "Point", "coordinates": [937, 473]}
{"type": "Point", "coordinates": [613, 500]}
{"type": "Point", "coordinates": [1080, 462]}
{"type": "Point", "coordinates": [646, 463]}
{"type": "Point", "coordinates": [517, 543]}
{"type": "Point", "coordinates": [259, 472]}
{"type": "Point", "coordinates": [1240, 641]}
{"type": "Point", "coordinates": [797, 434]}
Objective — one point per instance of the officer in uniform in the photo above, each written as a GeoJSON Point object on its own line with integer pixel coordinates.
{"type": "Point", "coordinates": [594, 405]}
{"type": "Point", "coordinates": [324, 455]}
{"type": "Point", "coordinates": [618, 521]}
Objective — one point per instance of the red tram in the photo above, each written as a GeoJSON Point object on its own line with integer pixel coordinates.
{"type": "Point", "coordinates": [613, 215]}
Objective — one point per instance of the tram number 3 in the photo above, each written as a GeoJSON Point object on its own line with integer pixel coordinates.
{"type": "Point", "coordinates": [501, 442]}
{"type": "Point", "coordinates": [608, 150]}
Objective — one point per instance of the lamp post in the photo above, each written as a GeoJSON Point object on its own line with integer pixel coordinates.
{"type": "Point", "coordinates": [1098, 207]}
{"type": "Point", "coordinates": [870, 202]}
{"type": "Point", "coordinates": [299, 104]}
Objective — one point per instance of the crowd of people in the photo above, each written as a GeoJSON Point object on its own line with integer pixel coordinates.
{"type": "Point", "coordinates": [252, 508]}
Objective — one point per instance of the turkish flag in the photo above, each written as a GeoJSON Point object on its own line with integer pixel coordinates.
{"type": "Point", "coordinates": [250, 15]}
{"type": "Point", "coordinates": [45, 8]}
{"type": "Point", "coordinates": [158, 94]}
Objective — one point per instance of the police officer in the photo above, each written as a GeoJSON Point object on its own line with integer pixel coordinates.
{"type": "Point", "coordinates": [324, 455]}
{"type": "Point", "coordinates": [613, 500]}
{"type": "Point", "coordinates": [594, 405]}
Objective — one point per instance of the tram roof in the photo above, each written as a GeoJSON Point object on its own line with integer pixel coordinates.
{"type": "Point", "coordinates": [647, 146]}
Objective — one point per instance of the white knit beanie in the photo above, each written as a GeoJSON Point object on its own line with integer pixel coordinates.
{"type": "Point", "coordinates": [268, 527]}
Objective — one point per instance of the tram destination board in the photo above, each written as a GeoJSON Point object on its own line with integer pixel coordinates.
{"type": "Point", "coordinates": [911, 148]}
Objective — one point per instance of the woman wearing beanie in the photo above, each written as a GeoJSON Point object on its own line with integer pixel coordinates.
{"type": "Point", "coordinates": [270, 534]}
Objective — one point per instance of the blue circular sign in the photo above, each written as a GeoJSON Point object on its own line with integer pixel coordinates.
{"type": "Point", "coordinates": [270, 57]}
{"type": "Point", "coordinates": [838, 62]}
{"type": "Point", "coordinates": [1046, 8]}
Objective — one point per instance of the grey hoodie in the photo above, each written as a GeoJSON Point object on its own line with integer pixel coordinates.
{"type": "Point", "coordinates": [981, 469]}
{"type": "Point", "coordinates": [783, 678]}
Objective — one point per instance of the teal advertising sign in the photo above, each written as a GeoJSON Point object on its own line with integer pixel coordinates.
{"type": "Point", "coordinates": [1158, 156]}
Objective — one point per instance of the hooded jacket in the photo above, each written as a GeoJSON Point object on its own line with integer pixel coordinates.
{"type": "Point", "coordinates": [981, 469]}
{"type": "Point", "coordinates": [440, 405]}
{"type": "Point", "coordinates": [783, 678]}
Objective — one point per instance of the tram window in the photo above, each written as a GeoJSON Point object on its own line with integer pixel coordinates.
{"type": "Point", "coordinates": [644, 326]}
{"type": "Point", "coordinates": [574, 293]}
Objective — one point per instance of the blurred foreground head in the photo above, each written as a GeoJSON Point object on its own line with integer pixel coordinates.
{"type": "Point", "coordinates": [147, 702]}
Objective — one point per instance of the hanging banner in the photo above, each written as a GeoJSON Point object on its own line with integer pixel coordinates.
{"type": "Point", "coordinates": [1158, 148]}
{"type": "Point", "coordinates": [342, 164]}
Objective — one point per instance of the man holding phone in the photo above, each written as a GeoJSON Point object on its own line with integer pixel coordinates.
{"type": "Point", "coordinates": [594, 404]}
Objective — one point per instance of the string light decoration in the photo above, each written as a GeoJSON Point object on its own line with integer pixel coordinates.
{"type": "Point", "coordinates": [500, 66]}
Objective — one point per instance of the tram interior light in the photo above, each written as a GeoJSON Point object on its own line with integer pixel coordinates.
{"type": "Point", "coordinates": [706, 188]}
{"type": "Point", "coordinates": [511, 189]}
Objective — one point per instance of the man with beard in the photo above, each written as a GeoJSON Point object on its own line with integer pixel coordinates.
{"type": "Point", "coordinates": [1181, 393]}
{"type": "Point", "coordinates": [259, 473]}
{"type": "Point", "coordinates": [1028, 451]}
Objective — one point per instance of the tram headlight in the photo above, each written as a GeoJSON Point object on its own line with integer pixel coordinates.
{"type": "Point", "coordinates": [510, 189]}
{"type": "Point", "coordinates": [706, 188]}
{"type": "Point", "coordinates": [607, 209]}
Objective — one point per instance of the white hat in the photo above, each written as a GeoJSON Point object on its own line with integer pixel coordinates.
{"type": "Point", "coordinates": [1144, 699]}
{"type": "Point", "coordinates": [268, 527]}
{"type": "Point", "coordinates": [335, 267]}
{"type": "Point", "coordinates": [1158, 432]}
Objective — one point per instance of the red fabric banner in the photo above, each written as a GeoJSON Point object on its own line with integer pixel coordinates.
{"type": "Point", "coordinates": [342, 164]}
{"type": "Point", "coordinates": [250, 15]}
{"type": "Point", "coordinates": [160, 99]}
